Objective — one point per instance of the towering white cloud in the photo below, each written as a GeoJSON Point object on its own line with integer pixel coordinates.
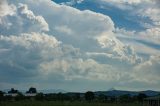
{"type": "Point", "coordinates": [41, 40]}
{"type": "Point", "coordinates": [6, 9]}
{"type": "Point", "coordinates": [22, 54]}
{"type": "Point", "coordinates": [86, 30]}
{"type": "Point", "coordinates": [36, 20]}
{"type": "Point", "coordinates": [20, 19]}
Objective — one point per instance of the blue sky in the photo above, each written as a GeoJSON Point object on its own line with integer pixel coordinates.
{"type": "Point", "coordinates": [80, 45]}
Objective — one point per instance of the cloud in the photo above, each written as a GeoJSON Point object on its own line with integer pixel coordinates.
{"type": "Point", "coordinates": [6, 9]}
{"type": "Point", "coordinates": [148, 38]}
{"type": "Point", "coordinates": [21, 20]}
{"type": "Point", "coordinates": [72, 2]}
{"type": "Point", "coordinates": [88, 30]}
{"type": "Point", "coordinates": [23, 54]}
{"type": "Point", "coordinates": [47, 42]}
{"type": "Point", "coordinates": [126, 2]}
{"type": "Point", "coordinates": [27, 14]}
{"type": "Point", "coordinates": [145, 11]}
{"type": "Point", "coordinates": [152, 12]}
{"type": "Point", "coordinates": [144, 42]}
{"type": "Point", "coordinates": [143, 16]}
{"type": "Point", "coordinates": [64, 30]}
{"type": "Point", "coordinates": [141, 8]}
{"type": "Point", "coordinates": [41, 56]}
{"type": "Point", "coordinates": [151, 67]}
{"type": "Point", "coordinates": [80, 69]}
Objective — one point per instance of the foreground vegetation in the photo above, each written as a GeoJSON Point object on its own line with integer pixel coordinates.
{"type": "Point", "coordinates": [64, 103]}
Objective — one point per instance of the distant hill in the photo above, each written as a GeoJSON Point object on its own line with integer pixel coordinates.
{"type": "Point", "coordinates": [53, 91]}
{"type": "Point", "coordinates": [132, 93]}
{"type": "Point", "coordinates": [150, 92]}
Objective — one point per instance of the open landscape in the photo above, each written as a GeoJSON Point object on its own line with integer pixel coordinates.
{"type": "Point", "coordinates": [79, 52]}
{"type": "Point", "coordinates": [98, 98]}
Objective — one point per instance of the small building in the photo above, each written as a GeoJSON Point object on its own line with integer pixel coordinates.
{"type": "Point", "coordinates": [152, 101]}
{"type": "Point", "coordinates": [30, 94]}
{"type": "Point", "coordinates": [12, 93]}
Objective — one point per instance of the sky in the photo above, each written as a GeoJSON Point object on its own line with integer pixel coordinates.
{"type": "Point", "coordinates": [80, 45]}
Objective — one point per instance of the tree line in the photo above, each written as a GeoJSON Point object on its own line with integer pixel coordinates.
{"type": "Point", "coordinates": [88, 96]}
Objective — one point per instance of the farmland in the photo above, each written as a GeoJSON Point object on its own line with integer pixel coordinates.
{"type": "Point", "coordinates": [63, 103]}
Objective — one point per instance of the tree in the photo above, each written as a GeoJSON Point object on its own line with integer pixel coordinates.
{"type": "Point", "coordinates": [32, 90]}
{"type": "Point", "coordinates": [89, 96]}
{"type": "Point", "coordinates": [1, 96]}
{"type": "Point", "coordinates": [141, 96]}
{"type": "Point", "coordinates": [13, 91]}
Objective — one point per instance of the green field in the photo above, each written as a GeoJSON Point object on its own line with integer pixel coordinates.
{"type": "Point", "coordinates": [54, 103]}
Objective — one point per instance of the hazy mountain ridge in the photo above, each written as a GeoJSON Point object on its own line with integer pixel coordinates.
{"type": "Point", "coordinates": [111, 92]}
{"type": "Point", "coordinates": [52, 91]}
{"type": "Point", "coordinates": [122, 92]}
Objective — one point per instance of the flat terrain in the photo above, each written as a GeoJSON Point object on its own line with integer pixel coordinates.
{"type": "Point", "coordinates": [54, 103]}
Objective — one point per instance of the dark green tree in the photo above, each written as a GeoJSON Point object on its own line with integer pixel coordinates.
{"type": "Point", "coordinates": [32, 90]}
{"type": "Point", "coordinates": [1, 96]}
{"type": "Point", "coordinates": [89, 96]}
{"type": "Point", "coordinates": [141, 96]}
{"type": "Point", "coordinates": [13, 91]}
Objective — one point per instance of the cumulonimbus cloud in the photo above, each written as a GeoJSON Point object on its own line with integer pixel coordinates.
{"type": "Point", "coordinates": [52, 42]}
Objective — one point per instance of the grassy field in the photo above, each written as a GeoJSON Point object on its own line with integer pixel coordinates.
{"type": "Point", "coordinates": [54, 103]}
